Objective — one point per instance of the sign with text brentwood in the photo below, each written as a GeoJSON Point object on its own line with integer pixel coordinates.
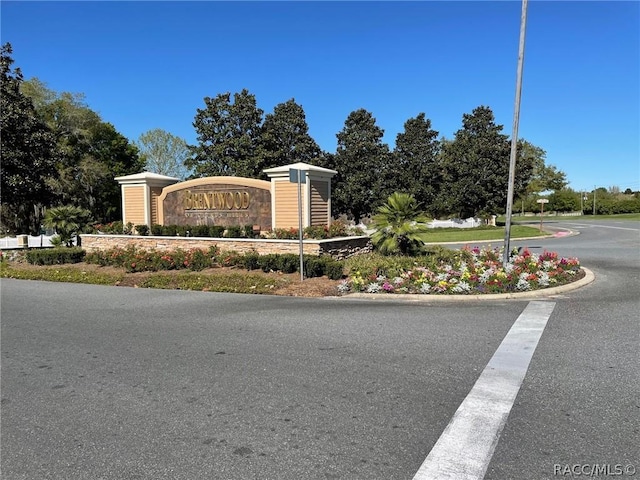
{"type": "Point", "coordinates": [210, 201]}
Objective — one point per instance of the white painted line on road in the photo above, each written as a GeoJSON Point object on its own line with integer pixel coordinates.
{"type": "Point", "coordinates": [604, 226]}
{"type": "Point", "coordinates": [465, 448]}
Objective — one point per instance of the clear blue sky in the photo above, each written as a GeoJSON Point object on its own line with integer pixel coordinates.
{"type": "Point", "coordinates": [145, 65]}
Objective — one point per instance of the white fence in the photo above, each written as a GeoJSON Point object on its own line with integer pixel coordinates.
{"type": "Point", "coordinates": [456, 223]}
{"type": "Point", "coordinates": [12, 242]}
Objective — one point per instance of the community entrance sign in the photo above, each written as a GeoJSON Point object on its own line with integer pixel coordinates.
{"type": "Point", "coordinates": [222, 201]}
{"type": "Point", "coordinates": [149, 198]}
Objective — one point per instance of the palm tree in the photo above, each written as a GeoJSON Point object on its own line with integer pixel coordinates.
{"type": "Point", "coordinates": [67, 220]}
{"type": "Point", "coordinates": [400, 226]}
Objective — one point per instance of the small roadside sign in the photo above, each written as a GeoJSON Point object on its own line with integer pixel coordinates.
{"type": "Point", "coordinates": [542, 200]}
{"type": "Point", "coordinates": [298, 176]}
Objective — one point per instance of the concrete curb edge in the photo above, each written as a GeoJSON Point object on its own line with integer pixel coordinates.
{"type": "Point", "coordinates": [545, 292]}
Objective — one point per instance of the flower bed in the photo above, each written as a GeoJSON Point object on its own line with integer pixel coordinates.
{"type": "Point", "coordinates": [473, 271]}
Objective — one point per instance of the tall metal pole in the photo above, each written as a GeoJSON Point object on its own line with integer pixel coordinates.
{"type": "Point", "coordinates": [594, 199]}
{"type": "Point", "coordinates": [514, 134]}
{"type": "Point", "coordinates": [300, 174]}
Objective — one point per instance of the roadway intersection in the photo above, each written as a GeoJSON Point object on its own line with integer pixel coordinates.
{"type": "Point", "coordinates": [119, 383]}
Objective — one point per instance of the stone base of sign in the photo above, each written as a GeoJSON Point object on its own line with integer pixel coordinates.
{"type": "Point", "coordinates": [338, 248]}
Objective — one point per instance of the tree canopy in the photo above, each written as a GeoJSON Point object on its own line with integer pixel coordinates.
{"type": "Point", "coordinates": [476, 167]}
{"type": "Point", "coordinates": [29, 153]}
{"type": "Point", "coordinates": [415, 162]}
{"type": "Point", "coordinates": [164, 153]}
{"type": "Point", "coordinates": [362, 163]}
{"type": "Point", "coordinates": [228, 137]}
{"type": "Point", "coordinates": [285, 137]}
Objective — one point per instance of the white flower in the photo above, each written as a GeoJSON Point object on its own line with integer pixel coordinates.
{"type": "Point", "coordinates": [548, 265]}
{"type": "Point", "coordinates": [462, 287]}
{"type": "Point", "coordinates": [344, 287]}
{"type": "Point", "coordinates": [543, 279]}
{"type": "Point", "coordinates": [523, 284]}
{"type": "Point", "coordinates": [373, 288]}
{"type": "Point", "coordinates": [425, 288]}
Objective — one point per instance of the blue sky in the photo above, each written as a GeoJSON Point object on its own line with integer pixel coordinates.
{"type": "Point", "coordinates": [145, 65]}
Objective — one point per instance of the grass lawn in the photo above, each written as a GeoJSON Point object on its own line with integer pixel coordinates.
{"type": "Point", "coordinates": [440, 235]}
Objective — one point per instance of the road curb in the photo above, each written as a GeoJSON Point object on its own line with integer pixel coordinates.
{"type": "Point", "coordinates": [416, 297]}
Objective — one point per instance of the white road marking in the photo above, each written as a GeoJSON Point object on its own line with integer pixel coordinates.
{"type": "Point", "coordinates": [604, 226]}
{"type": "Point", "coordinates": [465, 448]}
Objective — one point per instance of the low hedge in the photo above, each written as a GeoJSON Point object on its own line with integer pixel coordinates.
{"type": "Point", "coordinates": [133, 259]}
{"type": "Point", "coordinates": [55, 256]}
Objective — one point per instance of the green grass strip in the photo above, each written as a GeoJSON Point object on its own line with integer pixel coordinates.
{"type": "Point", "coordinates": [232, 283]}
{"type": "Point", "coordinates": [474, 235]}
{"type": "Point", "coordinates": [61, 274]}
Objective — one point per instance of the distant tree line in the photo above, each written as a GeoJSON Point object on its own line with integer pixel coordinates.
{"type": "Point", "coordinates": [57, 151]}
{"type": "Point", "coordinates": [466, 176]}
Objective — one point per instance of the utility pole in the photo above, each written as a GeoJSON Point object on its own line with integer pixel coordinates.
{"type": "Point", "coordinates": [594, 199]}
{"type": "Point", "coordinates": [514, 134]}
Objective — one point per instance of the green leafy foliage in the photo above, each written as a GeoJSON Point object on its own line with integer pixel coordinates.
{"type": "Point", "coordinates": [29, 154]}
{"type": "Point", "coordinates": [55, 256]}
{"type": "Point", "coordinates": [164, 153]}
{"type": "Point", "coordinates": [285, 137]}
{"type": "Point", "coordinates": [61, 274]}
{"type": "Point", "coordinates": [67, 221]}
{"type": "Point", "coordinates": [400, 226]}
{"type": "Point", "coordinates": [362, 163]}
{"type": "Point", "coordinates": [142, 230]}
{"type": "Point", "coordinates": [416, 163]}
{"type": "Point", "coordinates": [228, 137]}
{"type": "Point", "coordinates": [134, 259]}
{"type": "Point", "coordinates": [476, 168]}
{"type": "Point", "coordinates": [91, 152]}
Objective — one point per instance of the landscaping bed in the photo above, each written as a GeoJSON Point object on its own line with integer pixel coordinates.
{"type": "Point", "coordinates": [440, 271]}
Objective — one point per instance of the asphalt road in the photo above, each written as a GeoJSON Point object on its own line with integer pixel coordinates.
{"type": "Point", "coordinates": [120, 383]}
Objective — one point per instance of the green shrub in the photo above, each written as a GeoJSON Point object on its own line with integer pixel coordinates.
{"type": "Point", "coordinates": [338, 229]}
{"type": "Point", "coordinates": [234, 231]}
{"type": "Point", "coordinates": [216, 231]}
{"type": "Point", "coordinates": [169, 230]}
{"type": "Point", "coordinates": [214, 253]}
{"type": "Point", "coordinates": [200, 231]}
{"type": "Point", "coordinates": [197, 260]}
{"type": "Point", "coordinates": [55, 256]}
{"type": "Point", "coordinates": [156, 229]}
{"type": "Point", "coordinates": [316, 232]}
{"type": "Point", "coordinates": [268, 262]}
{"type": "Point", "coordinates": [251, 261]}
{"type": "Point", "coordinates": [285, 233]}
{"type": "Point", "coordinates": [142, 230]}
{"type": "Point", "coordinates": [334, 269]}
{"type": "Point", "coordinates": [248, 231]}
{"type": "Point", "coordinates": [314, 266]}
{"type": "Point", "coordinates": [289, 263]}
{"type": "Point", "coordinates": [230, 258]}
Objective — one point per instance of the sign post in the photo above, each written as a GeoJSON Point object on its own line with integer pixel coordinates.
{"type": "Point", "coordinates": [541, 201]}
{"type": "Point", "coordinates": [295, 176]}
